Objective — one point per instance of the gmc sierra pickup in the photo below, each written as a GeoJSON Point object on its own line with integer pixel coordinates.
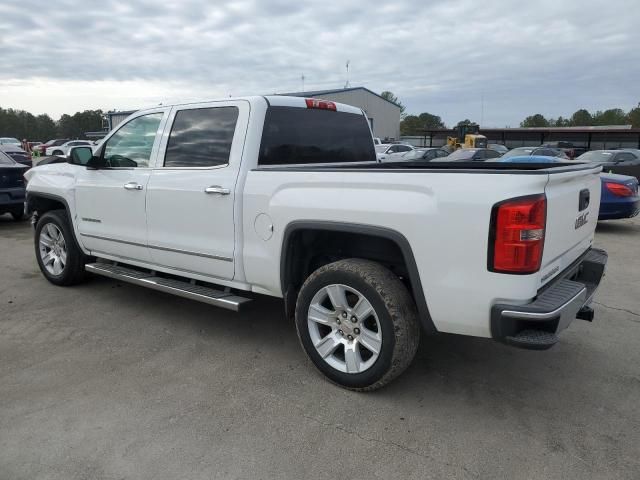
{"type": "Point", "coordinates": [283, 196]}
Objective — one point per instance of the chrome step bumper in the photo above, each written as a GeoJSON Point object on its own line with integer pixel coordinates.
{"type": "Point", "coordinates": [180, 288]}
{"type": "Point", "coordinates": [536, 324]}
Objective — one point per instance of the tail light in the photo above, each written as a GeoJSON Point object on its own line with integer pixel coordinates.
{"type": "Point", "coordinates": [516, 235]}
{"type": "Point", "coordinates": [619, 190]}
{"type": "Point", "coordinates": [320, 104]}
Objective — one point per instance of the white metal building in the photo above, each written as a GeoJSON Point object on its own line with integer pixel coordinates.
{"type": "Point", "coordinates": [384, 116]}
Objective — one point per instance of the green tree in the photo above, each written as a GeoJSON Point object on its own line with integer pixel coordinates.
{"type": "Point", "coordinates": [466, 121]}
{"type": "Point", "coordinates": [633, 117]}
{"type": "Point", "coordinates": [536, 120]}
{"type": "Point", "coordinates": [581, 118]}
{"type": "Point", "coordinates": [415, 125]}
{"type": "Point", "coordinates": [387, 95]}
{"type": "Point", "coordinates": [613, 116]}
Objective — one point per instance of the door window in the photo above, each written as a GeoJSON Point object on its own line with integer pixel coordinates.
{"type": "Point", "coordinates": [625, 157]}
{"type": "Point", "coordinates": [404, 148]}
{"type": "Point", "coordinates": [201, 137]}
{"type": "Point", "coordinates": [131, 145]}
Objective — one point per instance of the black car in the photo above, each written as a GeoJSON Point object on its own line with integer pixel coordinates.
{"type": "Point", "coordinates": [12, 187]}
{"type": "Point", "coordinates": [622, 162]}
{"type": "Point", "coordinates": [17, 153]}
{"type": "Point", "coordinates": [471, 155]}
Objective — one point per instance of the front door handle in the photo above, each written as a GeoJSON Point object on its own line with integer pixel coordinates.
{"type": "Point", "coordinates": [217, 189]}
{"type": "Point", "coordinates": [132, 186]}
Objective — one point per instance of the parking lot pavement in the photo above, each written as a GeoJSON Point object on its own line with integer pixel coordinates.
{"type": "Point", "coordinates": [108, 380]}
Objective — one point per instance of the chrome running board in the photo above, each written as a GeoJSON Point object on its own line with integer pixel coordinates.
{"type": "Point", "coordinates": [180, 288]}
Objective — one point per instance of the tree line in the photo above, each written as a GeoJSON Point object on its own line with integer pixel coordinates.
{"type": "Point", "coordinates": [584, 118]}
{"type": "Point", "coordinates": [20, 124]}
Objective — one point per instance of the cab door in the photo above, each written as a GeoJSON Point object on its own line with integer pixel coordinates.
{"type": "Point", "coordinates": [192, 191]}
{"type": "Point", "coordinates": [110, 201]}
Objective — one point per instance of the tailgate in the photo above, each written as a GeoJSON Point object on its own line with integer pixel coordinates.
{"type": "Point", "coordinates": [573, 203]}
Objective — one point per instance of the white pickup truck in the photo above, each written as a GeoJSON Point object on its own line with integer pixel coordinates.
{"type": "Point", "coordinates": [283, 196]}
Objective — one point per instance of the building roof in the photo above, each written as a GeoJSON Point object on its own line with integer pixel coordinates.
{"type": "Point", "coordinates": [313, 93]}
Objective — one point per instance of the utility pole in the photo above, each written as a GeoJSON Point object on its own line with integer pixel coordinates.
{"type": "Point", "coordinates": [346, 85]}
{"type": "Point", "coordinates": [482, 108]}
{"type": "Point", "coordinates": [302, 78]}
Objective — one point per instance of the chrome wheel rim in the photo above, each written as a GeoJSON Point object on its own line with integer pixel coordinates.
{"type": "Point", "coordinates": [53, 249]}
{"type": "Point", "coordinates": [344, 328]}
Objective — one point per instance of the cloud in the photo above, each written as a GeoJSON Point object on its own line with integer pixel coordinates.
{"type": "Point", "coordinates": [451, 58]}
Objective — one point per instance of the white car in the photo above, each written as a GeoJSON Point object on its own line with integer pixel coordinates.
{"type": "Point", "coordinates": [63, 150]}
{"type": "Point", "coordinates": [283, 196]}
{"type": "Point", "coordinates": [389, 152]}
{"type": "Point", "coordinates": [10, 141]}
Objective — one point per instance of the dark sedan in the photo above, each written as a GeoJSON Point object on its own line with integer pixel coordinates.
{"type": "Point", "coordinates": [12, 187]}
{"type": "Point", "coordinates": [471, 155]}
{"type": "Point", "coordinates": [622, 162]}
{"type": "Point", "coordinates": [18, 154]}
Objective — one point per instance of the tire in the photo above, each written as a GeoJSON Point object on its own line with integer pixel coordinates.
{"type": "Point", "coordinates": [54, 235]}
{"type": "Point", "coordinates": [391, 327]}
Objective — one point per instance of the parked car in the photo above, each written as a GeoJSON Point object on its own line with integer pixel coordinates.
{"type": "Point", "coordinates": [619, 193]}
{"type": "Point", "coordinates": [12, 187]}
{"type": "Point", "coordinates": [17, 153]}
{"type": "Point", "coordinates": [538, 151]}
{"type": "Point", "coordinates": [425, 154]}
{"type": "Point", "coordinates": [10, 141]}
{"type": "Point", "coordinates": [33, 145]}
{"type": "Point", "coordinates": [567, 147]}
{"type": "Point", "coordinates": [365, 255]}
{"type": "Point", "coordinates": [390, 152]}
{"type": "Point", "coordinates": [619, 198]}
{"type": "Point", "coordinates": [501, 149]}
{"type": "Point", "coordinates": [622, 162]}
{"type": "Point", "coordinates": [63, 150]}
{"type": "Point", "coordinates": [41, 149]}
{"type": "Point", "coordinates": [471, 155]}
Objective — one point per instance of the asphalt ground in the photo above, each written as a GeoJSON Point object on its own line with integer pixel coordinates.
{"type": "Point", "coordinates": [110, 381]}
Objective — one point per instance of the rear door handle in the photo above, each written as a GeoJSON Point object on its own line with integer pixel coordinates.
{"type": "Point", "coordinates": [132, 186]}
{"type": "Point", "coordinates": [217, 189]}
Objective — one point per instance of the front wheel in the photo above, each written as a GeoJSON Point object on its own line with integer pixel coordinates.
{"type": "Point", "coordinates": [59, 257]}
{"type": "Point", "coordinates": [357, 323]}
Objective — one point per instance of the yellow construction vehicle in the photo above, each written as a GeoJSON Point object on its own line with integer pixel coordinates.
{"type": "Point", "coordinates": [467, 136]}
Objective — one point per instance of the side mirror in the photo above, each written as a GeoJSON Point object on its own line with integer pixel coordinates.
{"type": "Point", "coordinates": [80, 156]}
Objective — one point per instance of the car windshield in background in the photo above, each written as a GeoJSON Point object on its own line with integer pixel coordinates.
{"type": "Point", "coordinates": [595, 157]}
{"type": "Point", "coordinates": [293, 135]}
{"type": "Point", "coordinates": [459, 155]}
{"type": "Point", "coordinates": [381, 148]}
{"type": "Point", "coordinates": [6, 159]}
{"type": "Point", "coordinates": [518, 151]}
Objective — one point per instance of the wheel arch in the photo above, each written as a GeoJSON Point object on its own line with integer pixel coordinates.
{"type": "Point", "coordinates": [292, 271]}
{"type": "Point", "coordinates": [39, 203]}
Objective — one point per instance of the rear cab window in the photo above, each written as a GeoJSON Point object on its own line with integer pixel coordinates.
{"type": "Point", "coordinates": [294, 136]}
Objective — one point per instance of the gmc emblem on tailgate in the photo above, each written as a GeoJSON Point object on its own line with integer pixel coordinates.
{"type": "Point", "coordinates": [581, 220]}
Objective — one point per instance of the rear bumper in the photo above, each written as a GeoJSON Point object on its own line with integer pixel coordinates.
{"type": "Point", "coordinates": [10, 197]}
{"type": "Point", "coordinates": [535, 325]}
{"type": "Point", "coordinates": [617, 210]}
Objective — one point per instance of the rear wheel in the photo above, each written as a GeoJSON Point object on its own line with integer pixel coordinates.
{"type": "Point", "coordinates": [357, 323]}
{"type": "Point", "coordinates": [59, 257]}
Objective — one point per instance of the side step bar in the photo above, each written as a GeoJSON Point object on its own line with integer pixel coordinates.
{"type": "Point", "coordinates": [176, 287]}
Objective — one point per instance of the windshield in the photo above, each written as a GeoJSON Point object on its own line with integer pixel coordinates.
{"type": "Point", "coordinates": [518, 151]}
{"type": "Point", "coordinates": [596, 157]}
{"type": "Point", "coordinates": [6, 159]}
{"type": "Point", "coordinates": [381, 148]}
{"type": "Point", "coordinates": [458, 155]}
{"type": "Point", "coordinates": [9, 140]}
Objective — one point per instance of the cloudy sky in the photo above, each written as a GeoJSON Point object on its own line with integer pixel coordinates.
{"type": "Point", "coordinates": [441, 56]}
